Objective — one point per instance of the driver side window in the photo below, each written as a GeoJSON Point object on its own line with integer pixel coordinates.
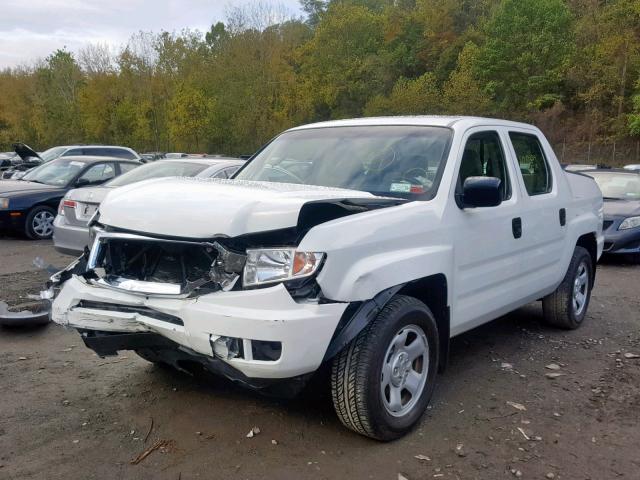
{"type": "Point", "coordinates": [484, 157]}
{"type": "Point", "coordinates": [98, 173]}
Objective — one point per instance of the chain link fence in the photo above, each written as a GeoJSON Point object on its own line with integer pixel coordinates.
{"type": "Point", "coordinates": [612, 154]}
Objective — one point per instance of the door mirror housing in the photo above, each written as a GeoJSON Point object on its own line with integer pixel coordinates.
{"type": "Point", "coordinates": [480, 192]}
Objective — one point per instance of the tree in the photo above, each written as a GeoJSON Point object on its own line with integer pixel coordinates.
{"type": "Point", "coordinates": [463, 93]}
{"type": "Point", "coordinates": [340, 64]}
{"type": "Point", "coordinates": [526, 52]}
{"type": "Point", "coordinates": [419, 96]}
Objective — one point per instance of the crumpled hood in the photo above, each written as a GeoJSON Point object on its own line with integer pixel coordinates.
{"type": "Point", "coordinates": [625, 208]}
{"type": "Point", "coordinates": [204, 208]}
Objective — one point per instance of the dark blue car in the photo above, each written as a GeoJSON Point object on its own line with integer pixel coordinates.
{"type": "Point", "coordinates": [621, 192]}
{"type": "Point", "coordinates": [29, 205]}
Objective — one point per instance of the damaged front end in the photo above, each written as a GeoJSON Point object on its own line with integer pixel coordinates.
{"type": "Point", "coordinates": [156, 266]}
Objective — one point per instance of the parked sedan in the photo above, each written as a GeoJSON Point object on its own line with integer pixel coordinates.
{"type": "Point", "coordinates": [29, 205]}
{"type": "Point", "coordinates": [71, 232]}
{"type": "Point", "coordinates": [29, 158]}
{"type": "Point", "coordinates": [621, 193]}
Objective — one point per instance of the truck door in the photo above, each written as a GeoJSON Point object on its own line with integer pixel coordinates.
{"type": "Point", "coordinates": [542, 211]}
{"type": "Point", "coordinates": [487, 241]}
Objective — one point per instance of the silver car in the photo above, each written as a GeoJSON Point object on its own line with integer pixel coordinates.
{"type": "Point", "coordinates": [71, 233]}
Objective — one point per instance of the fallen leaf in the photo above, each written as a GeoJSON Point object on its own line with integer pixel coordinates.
{"type": "Point", "coordinates": [630, 355]}
{"type": "Point", "coordinates": [517, 406]}
{"type": "Point", "coordinates": [554, 375]}
{"type": "Point", "coordinates": [506, 366]}
{"type": "Point", "coordinates": [553, 366]}
{"type": "Point", "coordinates": [422, 457]}
{"type": "Point", "coordinates": [402, 477]}
{"type": "Point", "coordinates": [523, 434]}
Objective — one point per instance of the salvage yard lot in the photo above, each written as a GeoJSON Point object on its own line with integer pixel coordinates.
{"type": "Point", "coordinates": [66, 413]}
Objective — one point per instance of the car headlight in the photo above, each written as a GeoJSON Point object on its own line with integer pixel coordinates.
{"type": "Point", "coordinates": [4, 203]}
{"type": "Point", "coordinates": [278, 265]}
{"type": "Point", "coordinates": [630, 222]}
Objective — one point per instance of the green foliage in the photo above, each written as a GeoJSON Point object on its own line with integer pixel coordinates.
{"type": "Point", "coordinates": [419, 96]}
{"type": "Point", "coordinates": [525, 54]}
{"type": "Point", "coordinates": [568, 65]}
{"type": "Point", "coordinates": [463, 92]}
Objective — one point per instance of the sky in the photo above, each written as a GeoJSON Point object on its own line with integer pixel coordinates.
{"type": "Point", "coordinates": [32, 29]}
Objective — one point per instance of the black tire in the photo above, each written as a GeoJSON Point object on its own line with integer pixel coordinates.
{"type": "Point", "coordinates": [35, 230]}
{"type": "Point", "coordinates": [357, 377]}
{"type": "Point", "coordinates": [559, 308]}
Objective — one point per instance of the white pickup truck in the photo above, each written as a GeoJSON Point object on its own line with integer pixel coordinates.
{"type": "Point", "coordinates": [363, 245]}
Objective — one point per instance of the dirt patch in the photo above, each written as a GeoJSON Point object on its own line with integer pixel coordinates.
{"type": "Point", "coordinates": [66, 413]}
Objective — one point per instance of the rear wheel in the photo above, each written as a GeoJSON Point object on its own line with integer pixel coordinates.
{"type": "Point", "coordinates": [382, 381]}
{"type": "Point", "coordinates": [39, 223]}
{"type": "Point", "coordinates": [567, 306]}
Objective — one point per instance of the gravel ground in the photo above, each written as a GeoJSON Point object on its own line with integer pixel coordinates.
{"type": "Point", "coordinates": [66, 413]}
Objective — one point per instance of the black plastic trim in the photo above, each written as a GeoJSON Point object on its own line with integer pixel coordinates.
{"type": "Point", "coordinates": [352, 323]}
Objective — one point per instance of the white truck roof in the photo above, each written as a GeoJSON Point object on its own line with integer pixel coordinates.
{"type": "Point", "coordinates": [418, 120]}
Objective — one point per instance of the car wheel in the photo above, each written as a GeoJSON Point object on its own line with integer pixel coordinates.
{"type": "Point", "coordinates": [567, 306]}
{"type": "Point", "coordinates": [39, 223]}
{"type": "Point", "coordinates": [381, 383]}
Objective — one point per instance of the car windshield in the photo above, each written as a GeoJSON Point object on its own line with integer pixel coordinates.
{"type": "Point", "coordinates": [401, 161]}
{"type": "Point", "coordinates": [56, 172]}
{"type": "Point", "coordinates": [158, 170]}
{"type": "Point", "coordinates": [621, 186]}
{"type": "Point", "coordinates": [52, 153]}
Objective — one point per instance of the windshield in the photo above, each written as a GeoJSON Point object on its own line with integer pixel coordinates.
{"type": "Point", "coordinates": [621, 186]}
{"type": "Point", "coordinates": [402, 161]}
{"type": "Point", "coordinates": [57, 172]}
{"type": "Point", "coordinates": [157, 170]}
{"type": "Point", "coordinates": [52, 153]}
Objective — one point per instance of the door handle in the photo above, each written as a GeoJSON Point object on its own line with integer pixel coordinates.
{"type": "Point", "coordinates": [563, 217]}
{"type": "Point", "coordinates": [516, 227]}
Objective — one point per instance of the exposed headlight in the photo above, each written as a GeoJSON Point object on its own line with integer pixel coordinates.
{"type": "Point", "coordinates": [279, 264]}
{"type": "Point", "coordinates": [630, 222]}
{"type": "Point", "coordinates": [4, 203]}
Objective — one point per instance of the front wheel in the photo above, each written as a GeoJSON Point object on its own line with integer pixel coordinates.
{"type": "Point", "coordinates": [39, 223]}
{"type": "Point", "coordinates": [381, 383]}
{"type": "Point", "coordinates": [567, 306]}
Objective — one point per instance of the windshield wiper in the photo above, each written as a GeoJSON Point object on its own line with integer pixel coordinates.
{"type": "Point", "coordinates": [612, 198]}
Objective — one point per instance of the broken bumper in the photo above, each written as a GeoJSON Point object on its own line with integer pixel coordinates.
{"type": "Point", "coordinates": [302, 330]}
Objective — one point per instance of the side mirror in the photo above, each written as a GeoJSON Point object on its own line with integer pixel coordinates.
{"type": "Point", "coordinates": [82, 182]}
{"type": "Point", "coordinates": [480, 192]}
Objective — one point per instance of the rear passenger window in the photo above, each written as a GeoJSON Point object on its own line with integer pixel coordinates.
{"type": "Point", "coordinates": [119, 153]}
{"type": "Point", "coordinates": [533, 164]}
{"type": "Point", "coordinates": [483, 157]}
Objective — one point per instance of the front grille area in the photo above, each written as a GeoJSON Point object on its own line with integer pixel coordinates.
{"type": "Point", "coordinates": [149, 265]}
{"type": "Point", "coordinates": [162, 262]}
{"type": "Point", "coordinates": [606, 224]}
{"type": "Point", "coordinates": [607, 246]}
